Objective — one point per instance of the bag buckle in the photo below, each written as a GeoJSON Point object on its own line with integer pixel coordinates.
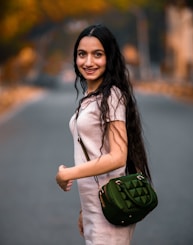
{"type": "Point", "coordinates": [140, 177]}
{"type": "Point", "coordinates": [118, 182]}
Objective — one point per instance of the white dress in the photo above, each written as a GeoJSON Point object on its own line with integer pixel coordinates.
{"type": "Point", "coordinates": [97, 230]}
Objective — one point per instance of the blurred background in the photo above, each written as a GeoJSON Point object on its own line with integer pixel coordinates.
{"type": "Point", "coordinates": [36, 46]}
{"type": "Point", "coordinates": [37, 38]}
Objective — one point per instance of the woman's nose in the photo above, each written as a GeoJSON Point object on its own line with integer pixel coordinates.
{"type": "Point", "coordinates": [89, 60]}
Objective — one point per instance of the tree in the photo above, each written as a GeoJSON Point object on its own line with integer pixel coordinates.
{"type": "Point", "coordinates": [17, 17]}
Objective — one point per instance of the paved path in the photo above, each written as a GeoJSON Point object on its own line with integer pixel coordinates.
{"type": "Point", "coordinates": [34, 211]}
{"type": "Point", "coordinates": [168, 128]}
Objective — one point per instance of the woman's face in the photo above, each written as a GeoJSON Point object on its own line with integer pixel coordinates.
{"type": "Point", "coordinates": [91, 60]}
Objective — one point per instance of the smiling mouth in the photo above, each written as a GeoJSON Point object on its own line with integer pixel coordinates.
{"type": "Point", "coordinates": [90, 71]}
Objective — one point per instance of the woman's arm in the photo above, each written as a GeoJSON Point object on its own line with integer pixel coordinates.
{"type": "Point", "coordinates": [115, 159]}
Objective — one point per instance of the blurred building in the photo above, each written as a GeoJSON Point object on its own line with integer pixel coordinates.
{"type": "Point", "coordinates": [179, 43]}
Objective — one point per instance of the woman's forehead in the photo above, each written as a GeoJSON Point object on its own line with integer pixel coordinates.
{"type": "Point", "coordinates": [90, 43]}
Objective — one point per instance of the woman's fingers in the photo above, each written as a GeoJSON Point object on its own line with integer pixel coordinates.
{"type": "Point", "coordinates": [69, 185]}
{"type": "Point", "coordinates": [64, 184]}
{"type": "Point", "coordinates": [61, 167]}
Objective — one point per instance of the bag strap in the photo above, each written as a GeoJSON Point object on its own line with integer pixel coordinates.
{"type": "Point", "coordinates": [83, 148]}
{"type": "Point", "coordinates": [87, 158]}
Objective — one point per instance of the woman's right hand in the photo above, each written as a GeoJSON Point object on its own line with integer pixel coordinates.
{"type": "Point", "coordinates": [64, 184]}
{"type": "Point", "coordinates": [80, 224]}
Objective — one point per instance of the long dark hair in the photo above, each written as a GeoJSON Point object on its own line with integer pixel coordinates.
{"type": "Point", "coordinates": [116, 74]}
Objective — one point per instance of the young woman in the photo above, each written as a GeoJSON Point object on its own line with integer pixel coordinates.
{"type": "Point", "coordinates": [107, 121]}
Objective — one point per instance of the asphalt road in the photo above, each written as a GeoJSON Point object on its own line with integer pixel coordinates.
{"type": "Point", "coordinates": [36, 139]}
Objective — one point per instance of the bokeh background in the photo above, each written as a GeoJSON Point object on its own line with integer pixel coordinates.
{"type": "Point", "coordinates": [37, 99]}
{"type": "Point", "coordinates": [37, 38]}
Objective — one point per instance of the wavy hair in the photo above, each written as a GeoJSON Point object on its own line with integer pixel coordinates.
{"type": "Point", "coordinates": [116, 74]}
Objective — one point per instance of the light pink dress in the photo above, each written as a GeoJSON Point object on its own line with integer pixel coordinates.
{"type": "Point", "coordinates": [97, 230]}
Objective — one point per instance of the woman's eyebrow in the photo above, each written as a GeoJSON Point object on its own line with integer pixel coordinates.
{"type": "Point", "coordinates": [95, 50]}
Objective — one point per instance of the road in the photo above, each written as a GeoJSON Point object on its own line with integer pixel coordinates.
{"type": "Point", "coordinates": [36, 139]}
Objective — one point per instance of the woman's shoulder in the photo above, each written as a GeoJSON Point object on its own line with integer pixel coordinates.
{"type": "Point", "coordinates": [116, 105]}
{"type": "Point", "coordinates": [116, 93]}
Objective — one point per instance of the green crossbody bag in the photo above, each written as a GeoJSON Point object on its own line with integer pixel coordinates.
{"type": "Point", "coordinates": [127, 199]}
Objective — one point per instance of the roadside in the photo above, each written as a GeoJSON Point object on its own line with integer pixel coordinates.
{"type": "Point", "coordinates": [16, 96]}
{"type": "Point", "coordinates": [12, 97]}
{"type": "Point", "coordinates": [180, 91]}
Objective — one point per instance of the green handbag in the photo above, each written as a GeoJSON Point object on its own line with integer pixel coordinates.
{"type": "Point", "coordinates": [127, 199]}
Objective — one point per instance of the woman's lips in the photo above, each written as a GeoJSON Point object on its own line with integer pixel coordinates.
{"type": "Point", "coordinates": [90, 71]}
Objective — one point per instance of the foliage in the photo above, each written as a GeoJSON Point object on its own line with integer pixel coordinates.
{"type": "Point", "coordinates": [128, 4]}
{"type": "Point", "coordinates": [155, 4]}
{"type": "Point", "coordinates": [19, 16]}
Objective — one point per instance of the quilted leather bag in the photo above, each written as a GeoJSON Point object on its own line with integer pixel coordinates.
{"type": "Point", "coordinates": [127, 199]}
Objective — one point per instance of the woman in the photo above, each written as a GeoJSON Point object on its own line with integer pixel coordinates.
{"type": "Point", "coordinates": [108, 123]}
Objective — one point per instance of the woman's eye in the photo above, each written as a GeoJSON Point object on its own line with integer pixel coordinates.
{"type": "Point", "coordinates": [81, 54]}
{"type": "Point", "coordinates": [98, 54]}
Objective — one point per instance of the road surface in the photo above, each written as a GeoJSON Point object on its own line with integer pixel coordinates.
{"type": "Point", "coordinates": [36, 139]}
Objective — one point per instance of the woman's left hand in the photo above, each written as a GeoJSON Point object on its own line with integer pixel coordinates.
{"type": "Point", "coordinates": [64, 184]}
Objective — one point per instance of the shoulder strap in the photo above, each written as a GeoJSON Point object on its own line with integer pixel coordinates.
{"type": "Point", "coordinates": [83, 148]}
{"type": "Point", "coordinates": [87, 157]}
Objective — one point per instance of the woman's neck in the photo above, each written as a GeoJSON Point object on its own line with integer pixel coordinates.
{"type": "Point", "coordinates": [92, 86]}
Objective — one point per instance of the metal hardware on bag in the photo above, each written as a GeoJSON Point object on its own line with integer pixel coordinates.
{"type": "Point", "coordinates": [122, 221]}
{"type": "Point", "coordinates": [101, 199]}
{"type": "Point", "coordinates": [140, 177]}
{"type": "Point", "coordinates": [118, 182]}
